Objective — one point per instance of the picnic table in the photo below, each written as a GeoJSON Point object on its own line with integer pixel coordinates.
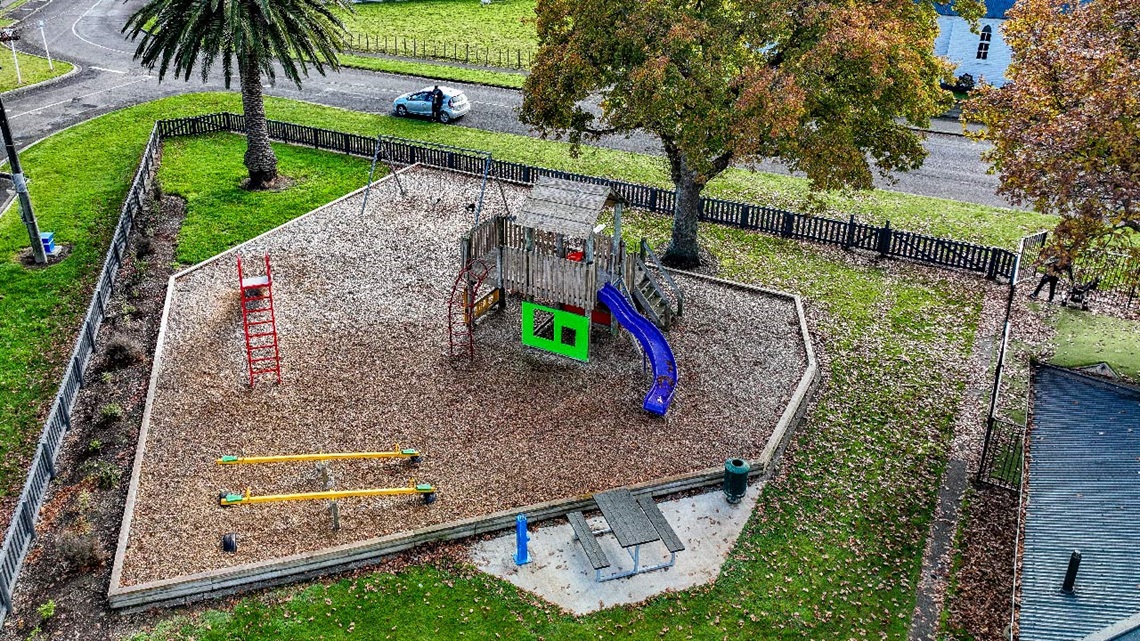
{"type": "Point", "coordinates": [634, 522]}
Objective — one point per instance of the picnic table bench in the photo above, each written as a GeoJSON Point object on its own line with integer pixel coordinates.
{"type": "Point", "coordinates": [633, 522]}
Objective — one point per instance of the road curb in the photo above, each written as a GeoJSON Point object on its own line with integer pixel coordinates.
{"type": "Point", "coordinates": [434, 77]}
{"type": "Point", "coordinates": [75, 68]}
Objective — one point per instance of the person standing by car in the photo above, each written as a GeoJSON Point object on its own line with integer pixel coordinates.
{"type": "Point", "coordinates": [436, 103]}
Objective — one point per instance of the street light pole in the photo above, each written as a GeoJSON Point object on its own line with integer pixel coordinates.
{"type": "Point", "coordinates": [21, 185]}
{"type": "Point", "coordinates": [40, 24]}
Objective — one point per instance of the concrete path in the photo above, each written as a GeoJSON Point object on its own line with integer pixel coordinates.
{"type": "Point", "coordinates": [560, 573]}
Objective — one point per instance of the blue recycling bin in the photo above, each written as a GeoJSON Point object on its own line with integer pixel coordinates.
{"type": "Point", "coordinates": [48, 240]}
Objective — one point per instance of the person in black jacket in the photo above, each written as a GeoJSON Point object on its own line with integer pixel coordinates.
{"type": "Point", "coordinates": [436, 103]}
{"type": "Point", "coordinates": [1053, 264]}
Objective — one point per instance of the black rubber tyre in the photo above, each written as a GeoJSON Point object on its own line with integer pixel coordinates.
{"type": "Point", "coordinates": [401, 111]}
{"type": "Point", "coordinates": [416, 459]}
{"type": "Point", "coordinates": [429, 498]}
{"type": "Point", "coordinates": [229, 542]}
{"type": "Point", "coordinates": [222, 495]}
{"type": "Point", "coordinates": [444, 117]}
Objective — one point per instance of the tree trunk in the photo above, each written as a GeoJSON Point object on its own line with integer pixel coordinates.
{"type": "Point", "coordinates": [259, 157]}
{"type": "Point", "coordinates": [682, 252]}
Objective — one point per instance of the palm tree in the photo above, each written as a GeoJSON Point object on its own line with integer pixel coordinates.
{"type": "Point", "coordinates": [254, 34]}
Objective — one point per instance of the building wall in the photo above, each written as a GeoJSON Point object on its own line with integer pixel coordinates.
{"type": "Point", "coordinates": [956, 42]}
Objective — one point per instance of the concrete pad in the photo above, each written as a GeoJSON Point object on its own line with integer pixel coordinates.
{"type": "Point", "coordinates": [560, 573]}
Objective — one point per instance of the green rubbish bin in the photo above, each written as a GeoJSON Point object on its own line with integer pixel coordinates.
{"type": "Point", "coordinates": [735, 479]}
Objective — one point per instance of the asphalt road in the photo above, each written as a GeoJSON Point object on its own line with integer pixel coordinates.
{"type": "Point", "coordinates": [87, 32]}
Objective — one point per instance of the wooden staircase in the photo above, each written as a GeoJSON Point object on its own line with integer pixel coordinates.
{"type": "Point", "coordinates": [649, 293]}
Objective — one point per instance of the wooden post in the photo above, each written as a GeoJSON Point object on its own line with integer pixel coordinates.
{"type": "Point", "coordinates": [327, 481]}
{"type": "Point", "coordinates": [617, 257]}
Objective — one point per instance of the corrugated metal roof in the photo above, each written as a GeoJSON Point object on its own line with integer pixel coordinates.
{"type": "Point", "coordinates": [565, 206]}
{"type": "Point", "coordinates": [994, 8]}
{"type": "Point", "coordinates": [1123, 630]}
{"type": "Point", "coordinates": [1084, 493]}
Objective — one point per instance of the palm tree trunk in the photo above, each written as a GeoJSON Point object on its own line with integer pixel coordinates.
{"type": "Point", "coordinates": [682, 251]}
{"type": "Point", "coordinates": [259, 157]}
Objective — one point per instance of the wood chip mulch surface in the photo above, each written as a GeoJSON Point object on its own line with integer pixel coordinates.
{"type": "Point", "coordinates": [362, 314]}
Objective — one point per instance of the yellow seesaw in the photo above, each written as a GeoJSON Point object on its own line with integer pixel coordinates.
{"type": "Point", "coordinates": [226, 499]}
{"type": "Point", "coordinates": [411, 454]}
{"type": "Point", "coordinates": [426, 489]}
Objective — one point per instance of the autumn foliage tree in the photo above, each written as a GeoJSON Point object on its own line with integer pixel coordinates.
{"type": "Point", "coordinates": [1065, 128]}
{"type": "Point", "coordinates": [828, 87]}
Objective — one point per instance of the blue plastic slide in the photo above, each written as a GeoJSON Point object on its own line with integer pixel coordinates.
{"type": "Point", "coordinates": [655, 346]}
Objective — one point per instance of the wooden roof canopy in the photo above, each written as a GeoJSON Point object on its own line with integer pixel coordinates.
{"type": "Point", "coordinates": [565, 206]}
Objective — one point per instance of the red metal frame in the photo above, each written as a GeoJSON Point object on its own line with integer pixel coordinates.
{"type": "Point", "coordinates": [461, 308]}
{"type": "Point", "coordinates": [259, 321]}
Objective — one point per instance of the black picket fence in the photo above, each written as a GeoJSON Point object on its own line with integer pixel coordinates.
{"type": "Point", "coordinates": [1116, 273]}
{"type": "Point", "coordinates": [465, 52]}
{"type": "Point", "coordinates": [1003, 455]}
{"type": "Point", "coordinates": [22, 531]}
{"type": "Point", "coordinates": [992, 262]}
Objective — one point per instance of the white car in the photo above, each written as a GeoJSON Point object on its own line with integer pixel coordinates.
{"type": "Point", "coordinates": [418, 103]}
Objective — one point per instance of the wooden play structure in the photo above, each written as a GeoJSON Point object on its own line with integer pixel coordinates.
{"type": "Point", "coordinates": [259, 322]}
{"type": "Point", "coordinates": [554, 254]}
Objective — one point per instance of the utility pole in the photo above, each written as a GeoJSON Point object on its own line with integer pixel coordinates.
{"type": "Point", "coordinates": [11, 35]}
{"type": "Point", "coordinates": [21, 185]}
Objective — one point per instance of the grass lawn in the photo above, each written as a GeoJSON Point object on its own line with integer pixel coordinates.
{"type": "Point", "coordinates": [33, 69]}
{"type": "Point", "coordinates": [207, 172]}
{"type": "Point", "coordinates": [81, 175]}
{"type": "Point", "coordinates": [948, 218]}
{"type": "Point", "coordinates": [1084, 338]}
{"type": "Point", "coordinates": [834, 548]}
{"type": "Point", "coordinates": [436, 71]}
{"type": "Point", "coordinates": [501, 24]}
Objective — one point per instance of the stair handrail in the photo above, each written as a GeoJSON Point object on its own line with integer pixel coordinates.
{"type": "Point", "coordinates": [647, 251]}
{"type": "Point", "coordinates": [643, 303]}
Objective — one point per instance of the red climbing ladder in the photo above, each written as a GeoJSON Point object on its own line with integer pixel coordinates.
{"type": "Point", "coordinates": [260, 323]}
{"type": "Point", "coordinates": [461, 308]}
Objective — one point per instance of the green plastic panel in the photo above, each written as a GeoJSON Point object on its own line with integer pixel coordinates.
{"type": "Point", "coordinates": [579, 350]}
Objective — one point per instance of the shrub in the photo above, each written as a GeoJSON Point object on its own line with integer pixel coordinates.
{"type": "Point", "coordinates": [123, 351]}
{"type": "Point", "coordinates": [47, 609]}
{"type": "Point", "coordinates": [144, 248]}
{"type": "Point", "coordinates": [105, 475]}
{"type": "Point", "coordinates": [83, 501]}
{"type": "Point", "coordinates": [111, 412]}
{"type": "Point", "coordinates": [81, 551]}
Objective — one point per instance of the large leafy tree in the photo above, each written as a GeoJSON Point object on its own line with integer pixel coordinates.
{"type": "Point", "coordinates": [1065, 128]}
{"type": "Point", "coordinates": [256, 36]}
{"type": "Point", "coordinates": [828, 87]}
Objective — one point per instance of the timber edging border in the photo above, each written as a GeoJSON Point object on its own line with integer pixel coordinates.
{"type": "Point", "coordinates": [342, 558]}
